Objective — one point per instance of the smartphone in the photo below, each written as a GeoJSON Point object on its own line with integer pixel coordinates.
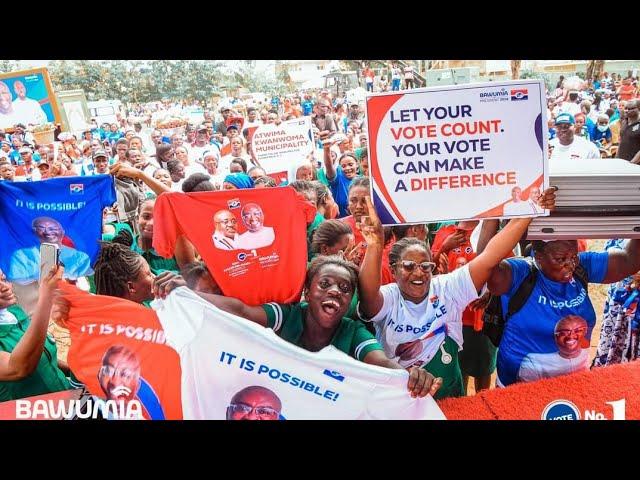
{"type": "Point", "coordinates": [49, 256]}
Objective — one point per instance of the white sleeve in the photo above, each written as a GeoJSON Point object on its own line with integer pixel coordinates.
{"type": "Point", "coordinates": [528, 371]}
{"type": "Point", "coordinates": [181, 320]}
{"type": "Point", "coordinates": [459, 287]}
{"type": "Point", "coordinates": [387, 304]}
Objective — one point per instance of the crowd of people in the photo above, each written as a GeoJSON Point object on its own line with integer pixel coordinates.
{"type": "Point", "coordinates": [415, 294]}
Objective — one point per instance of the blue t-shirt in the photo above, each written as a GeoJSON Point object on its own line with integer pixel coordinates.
{"type": "Point", "coordinates": [69, 210]}
{"type": "Point", "coordinates": [591, 127]}
{"type": "Point", "coordinates": [531, 329]}
{"type": "Point", "coordinates": [14, 157]}
{"type": "Point", "coordinates": [598, 135]}
{"type": "Point", "coordinates": [340, 190]}
{"type": "Point", "coordinates": [113, 137]}
{"type": "Point", "coordinates": [307, 107]}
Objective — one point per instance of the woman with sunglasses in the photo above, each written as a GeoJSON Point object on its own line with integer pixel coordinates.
{"type": "Point", "coordinates": [418, 318]}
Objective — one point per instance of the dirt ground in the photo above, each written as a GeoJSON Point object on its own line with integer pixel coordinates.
{"type": "Point", "coordinates": [597, 294]}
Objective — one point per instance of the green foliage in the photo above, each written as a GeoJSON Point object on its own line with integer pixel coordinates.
{"type": "Point", "coordinates": [543, 76]}
{"type": "Point", "coordinates": [138, 81]}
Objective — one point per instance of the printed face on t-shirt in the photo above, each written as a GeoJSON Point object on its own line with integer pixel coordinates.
{"type": "Point", "coordinates": [570, 334]}
{"type": "Point", "coordinates": [252, 217]}
{"type": "Point", "coordinates": [409, 350]}
{"type": "Point", "coordinates": [226, 223]}
{"type": "Point", "coordinates": [120, 375]}
{"type": "Point", "coordinates": [254, 403]}
{"type": "Point", "coordinates": [48, 230]}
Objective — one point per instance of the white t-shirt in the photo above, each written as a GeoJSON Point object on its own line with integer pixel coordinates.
{"type": "Point", "coordinates": [400, 321]}
{"type": "Point", "coordinates": [221, 354]}
{"type": "Point", "coordinates": [408, 72]}
{"type": "Point", "coordinates": [262, 238]}
{"type": "Point", "coordinates": [579, 148]}
{"type": "Point", "coordinates": [548, 365]}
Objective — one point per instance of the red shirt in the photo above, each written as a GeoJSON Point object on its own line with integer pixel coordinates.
{"type": "Point", "coordinates": [469, 317]}
{"type": "Point", "coordinates": [265, 265]}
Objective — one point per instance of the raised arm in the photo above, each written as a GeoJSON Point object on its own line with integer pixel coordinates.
{"type": "Point", "coordinates": [24, 358]}
{"type": "Point", "coordinates": [166, 282]}
{"type": "Point", "coordinates": [371, 299]}
{"type": "Point", "coordinates": [482, 267]}
{"type": "Point", "coordinates": [122, 170]}
{"type": "Point", "coordinates": [623, 263]}
{"type": "Point", "coordinates": [329, 168]}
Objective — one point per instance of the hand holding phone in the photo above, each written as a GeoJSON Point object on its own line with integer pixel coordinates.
{"type": "Point", "coordinates": [49, 258]}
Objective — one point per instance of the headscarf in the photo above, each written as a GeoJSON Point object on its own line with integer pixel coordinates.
{"type": "Point", "coordinates": [240, 180]}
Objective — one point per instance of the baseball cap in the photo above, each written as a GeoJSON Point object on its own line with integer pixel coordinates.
{"type": "Point", "coordinates": [43, 165]}
{"type": "Point", "coordinates": [233, 125]}
{"type": "Point", "coordinates": [224, 109]}
{"type": "Point", "coordinates": [201, 128]}
{"type": "Point", "coordinates": [99, 153]}
{"type": "Point", "coordinates": [565, 118]}
{"type": "Point", "coordinates": [25, 150]}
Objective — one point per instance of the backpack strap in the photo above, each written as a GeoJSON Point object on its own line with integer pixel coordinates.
{"type": "Point", "coordinates": [522, 294]}
{"type": "Point", "coordinates": [581, 274]}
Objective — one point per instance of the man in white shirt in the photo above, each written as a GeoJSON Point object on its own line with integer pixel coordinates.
{"type": "Point", "coordinates": [257, 235]}
{"type": "Point", "coordinates": [567, 144]}
{"type": "Point", "coordinates": [25, 109]}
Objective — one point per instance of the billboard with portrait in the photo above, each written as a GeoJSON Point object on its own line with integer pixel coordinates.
{"type": "Point", "coordinates": [27, 97]}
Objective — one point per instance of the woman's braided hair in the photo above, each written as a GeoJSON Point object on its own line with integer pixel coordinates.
{"type": "Point", "coordinates": [117, 264]}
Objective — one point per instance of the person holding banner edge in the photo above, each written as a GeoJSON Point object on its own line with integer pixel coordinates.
{"type": "Point", "coordinates": [418, 318]}
{"type": "Point", "coordinates": [319, 322]}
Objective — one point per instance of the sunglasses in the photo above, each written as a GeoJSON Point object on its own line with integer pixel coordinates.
{"type": "Point", "coordinates": [410, 266]}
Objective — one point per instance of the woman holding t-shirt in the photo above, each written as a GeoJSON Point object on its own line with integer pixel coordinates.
{"type": "Point", "coordinates": [418, 318]}
{"type": "Point", "coordinates": [320, 321]}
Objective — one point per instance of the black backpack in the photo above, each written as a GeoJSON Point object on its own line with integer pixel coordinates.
{"type": "Point", "coordinates": [494, 318]}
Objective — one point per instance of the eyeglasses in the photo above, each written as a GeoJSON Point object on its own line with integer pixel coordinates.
{"type": "Point", "coordinates": [47, 229]}
{"type": "Point", "coordinates": [565, 332]}
{"type": "Point", "coordinates": [410, 266]}
{"type": "Point", "coordinates": [125, 374]}
{"type": "Point", "coordinates": [563, 126]}
{"type": "Point", "coordinates": [261, 412]}
{"type": "Point", "coordinates": [233, 221]}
